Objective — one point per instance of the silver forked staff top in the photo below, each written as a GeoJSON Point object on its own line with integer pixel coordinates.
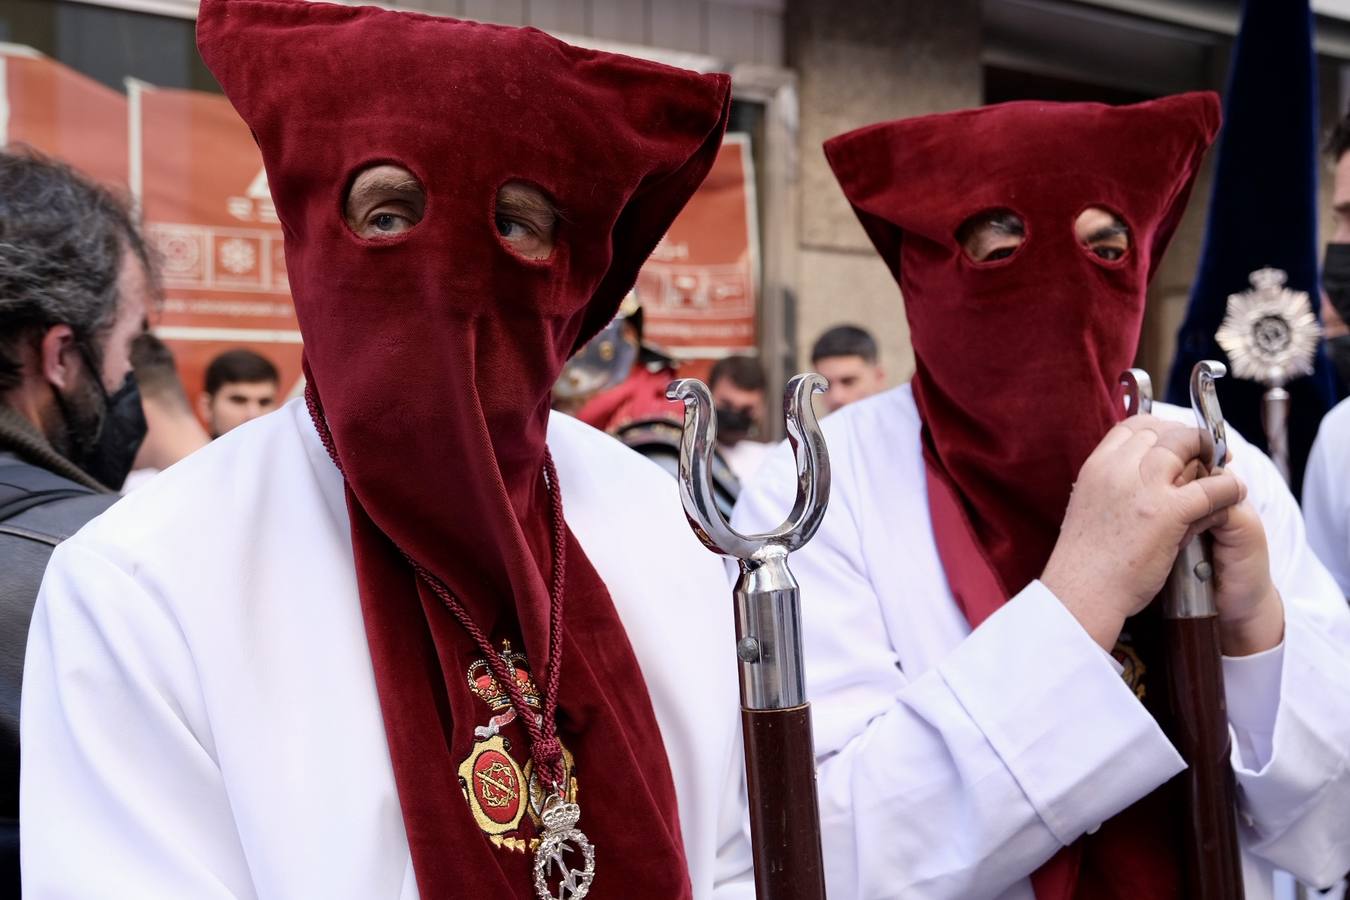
{"type": "Point", "coordinates": [1208, 415]}
{"type": "Point", "coordinates": [1189, 593]}
{"type": "Point", "coordinates": [766, 598]}
{"type": "Point", "coordinates": [1137, 387]}
{"type": "Point", "coordinates": [1137, 393]}
{"type": "Point", "coordinates": [696, 487]}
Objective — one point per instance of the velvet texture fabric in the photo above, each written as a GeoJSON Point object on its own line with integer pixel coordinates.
{"type": "Point", "coordinates": [432, 355]}
{"type": "Point", "coordinates": [1017, 360]}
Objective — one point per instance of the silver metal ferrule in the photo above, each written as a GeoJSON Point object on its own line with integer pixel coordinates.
{"type": "Point", "coordinates": [769, 632]}
{"type": "Point", "coordinates": [1189, 593]}
{"type": "Point", "coordinates": [1190, 586]}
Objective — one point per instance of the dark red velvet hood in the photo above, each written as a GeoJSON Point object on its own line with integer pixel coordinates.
{"type": "Point", "coordinates": [1018, 359]}
{"type": "Point", "coordinates": [432, 355]}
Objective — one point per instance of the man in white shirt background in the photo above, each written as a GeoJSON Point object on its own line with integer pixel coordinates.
{"type": "Point", "coordinates": [1326, 481]}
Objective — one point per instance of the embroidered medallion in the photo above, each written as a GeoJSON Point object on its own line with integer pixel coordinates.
{"type": "Point", "coordinates": [484, 685]}
{"type": "Point", "coordinates": [494, 785]}
{"type": "Point", "coordinates": [499, 792]}
{"type": "Point", "coordinates": [538, 795]}
{"type": "Point", "coordinates": [1132, 667]}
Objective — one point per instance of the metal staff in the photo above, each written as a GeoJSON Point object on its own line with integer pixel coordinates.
{"type": "Point", "coordinates": [1270, 335]}
{"type": "Point", "coordinates": [780, 760]}
{"type": "Point", "coordinates": [1212, 857]}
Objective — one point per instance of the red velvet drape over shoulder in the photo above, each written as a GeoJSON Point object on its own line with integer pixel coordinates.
{"type": "Point", "coordinates": [432, 355]}
{"type": "Point", "coordinates": [1017, 360]}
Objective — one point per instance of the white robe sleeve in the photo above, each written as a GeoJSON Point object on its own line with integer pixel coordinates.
{"type": "Point", "coordinates": [962, 780]}
{"type": "Point", "coordinates": [733, 874]}
{"type": "Point", "coordinates": [1290, 708]}
{"type": "Point", "coordinates": [121, 796]}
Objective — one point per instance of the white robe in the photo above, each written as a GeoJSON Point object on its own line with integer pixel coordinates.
{"type": "Point", "coordinates": [952, 764]}
{"type": "Point", "coordinates": [744, 457]}
{"type": "Point", "coordinates": [1326, 494]}
{"type": "Point", "coordinates": [200, 718]}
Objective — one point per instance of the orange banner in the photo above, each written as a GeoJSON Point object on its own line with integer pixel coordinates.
{"type": "Point", "coordinates": [199, 178]}
{"type": "Point", "coordinates": [62, 113]}
{"type": "Point", "coordinates": [698, 288]}
{"type": "Point", "coordinates": [207, 208]}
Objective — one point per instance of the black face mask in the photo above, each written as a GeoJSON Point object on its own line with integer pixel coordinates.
{"type": "Point", "coordinates": [1336, 282]}
{"type": "Point", "coordinates": [1338, 351]}
{"type": "Point", "coordinates": [1336, 278]}
{"type": "Point", "coordinates": [106, 446]}
{"type": "Point", "coordinates": [734, 424]}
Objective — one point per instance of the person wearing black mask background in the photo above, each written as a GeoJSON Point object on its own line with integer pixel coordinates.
{"type": "Point", "coordinates": [1326, 500]}
{"type": "Point", "coordinates": [737, 386]}
{"type": "Point", "coordinates": [76, 281]}
{"type": "Point", "coordinates": [1336, 263]}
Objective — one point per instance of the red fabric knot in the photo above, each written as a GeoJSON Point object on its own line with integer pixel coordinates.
{"type": "Point", "coordinates": [548, 753]}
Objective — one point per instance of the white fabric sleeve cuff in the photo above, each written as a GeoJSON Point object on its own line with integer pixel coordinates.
{"type": "Point", "coordinates": [1079, 743]}
{"type": "Point", "coordinates": [1252, 689]}
{"type": "Point", "coordinates": [1299, 750]}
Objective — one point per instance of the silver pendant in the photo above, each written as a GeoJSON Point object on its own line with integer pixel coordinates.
{"type": "Point", "coordinates": [554, 875]}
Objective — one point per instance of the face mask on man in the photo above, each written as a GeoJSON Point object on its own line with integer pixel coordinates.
{"type": "Point", "coordinates": [103, 442]}
{"type": "Point", "coordinates": [734, 423]}
{"type": "Point", "coordinates": [1336, 283]}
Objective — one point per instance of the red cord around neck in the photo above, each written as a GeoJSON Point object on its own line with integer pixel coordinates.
{"type": "Point", "coordinates": [544, 745]}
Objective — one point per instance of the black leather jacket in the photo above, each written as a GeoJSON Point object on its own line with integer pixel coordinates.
{"type": "Point", "coordinates": [38, 510]}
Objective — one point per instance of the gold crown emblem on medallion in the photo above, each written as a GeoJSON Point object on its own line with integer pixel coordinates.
{"type": "Point", "coordinates": [484, 684]}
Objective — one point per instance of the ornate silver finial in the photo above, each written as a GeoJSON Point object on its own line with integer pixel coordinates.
{"type": "Point", "coordinates": [559, 815]}
{"type": "Point", "coordinates": [1270, 332]}
{"type": "Point", "coordinates": [555, 877]}
{"type": "Point", "coordinates": [696, 451]}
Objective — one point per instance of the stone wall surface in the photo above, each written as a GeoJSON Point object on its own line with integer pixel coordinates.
{"type": "Point", "coordinates": [860, 62]}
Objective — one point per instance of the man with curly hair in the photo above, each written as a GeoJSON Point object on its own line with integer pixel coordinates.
{"type": "Point", "coordinates": [75, 283]}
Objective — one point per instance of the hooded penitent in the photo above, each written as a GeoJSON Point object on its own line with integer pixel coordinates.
{"type": "Point", "coordinates": [1017, 360]}
{"type": "Point", "coordinates": [431, 356]}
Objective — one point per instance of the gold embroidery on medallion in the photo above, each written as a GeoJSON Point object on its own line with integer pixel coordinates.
{"type": "Point", "coordinates": [1132, 667]}
{"type": "Point", "coordinates": [539, 791]}
{"type": "Point", "coordinates": [494, 785]}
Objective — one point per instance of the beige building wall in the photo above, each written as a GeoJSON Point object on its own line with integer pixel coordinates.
{"type": "Point", "coordinates": [859, 62]}
{"type": "Point", "coordinates": [1169, 292]}
{"type": "Point", "coordinates": [739, 31]}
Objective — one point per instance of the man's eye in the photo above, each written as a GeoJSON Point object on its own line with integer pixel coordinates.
{"type": "Point", "coordinates": [511, 229]}
{"type": "Point", "coordinates": [1108, 253]}
{"type": "Point", "coordinates": [389, 223]}
{"type": "Point", "coordinates": [1000, 253]}
{"type": "Point", "coordinates": [382, 225]}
